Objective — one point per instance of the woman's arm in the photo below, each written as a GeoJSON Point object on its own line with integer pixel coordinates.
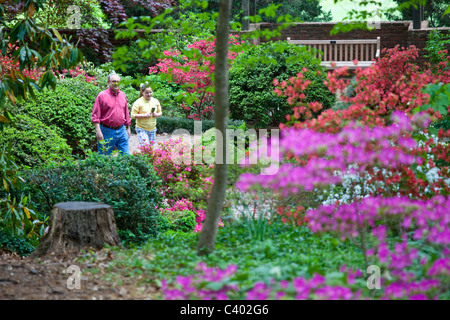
{"type": "Point", "coordinates": [144, 115]}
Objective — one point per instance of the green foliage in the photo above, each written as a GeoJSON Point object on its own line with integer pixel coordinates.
{"type": "Point", "coordinates": [436, 44]}
{"type": "Point", "coordinates": [256, 226]}
{"type": "Point", "coordinates": [125, 182]}
{"type": "Point", "coordinates": [251, 82]}
{"type": "Point", "coordinates": [34, 143]}
{"type": "Point", "coordinates": [434, 12]}
{"type": "Point", "coordinates": [17, 217]}
{"type": "Point", "coordinates": [310, 11]}
{"type": "Point", "coordinates": [183, 221]}
{"type": "Point", "coordinates": [139, 61]}
{"type": "Point", "coordinates": [284, 253]}
{"type": "Point", "coordinates": [68, 108]}
{"type": "Point", "coordinates": [15, 243]}
{"type": "Point", "coordinates": [193, 26]}
{"type": "Point", "coordinates": [36, 47]}
{"type": "Point", "coordinates": [439, 101]}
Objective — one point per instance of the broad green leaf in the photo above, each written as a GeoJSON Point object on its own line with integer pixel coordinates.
{"type": "Point", "coordinates": [447, 11]}
{"type": "Point", "coordinates": [443, 109]}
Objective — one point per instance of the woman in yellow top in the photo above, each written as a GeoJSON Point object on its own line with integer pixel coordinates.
{"type": "Point", "coordinates": [145, 110]}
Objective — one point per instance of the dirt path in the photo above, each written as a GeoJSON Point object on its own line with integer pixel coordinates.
{"type": "Point", "coordinates": [49, 279]}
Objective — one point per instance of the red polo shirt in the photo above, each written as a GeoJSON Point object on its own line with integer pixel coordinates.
{"type": "Point", "coordinates": [111, 109]}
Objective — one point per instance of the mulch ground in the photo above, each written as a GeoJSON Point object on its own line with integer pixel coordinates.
{"type": "Point", "coordinates": [47, 278]}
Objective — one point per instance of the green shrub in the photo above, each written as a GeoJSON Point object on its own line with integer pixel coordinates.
{"type": "Point", "coordinates": [15, 243]}
{"type": "Point", "coordinates": [19, 222]}
{"type": "Point", "coordinates": [34, 143]}
{"type": "Point", "coordinates": [125, 182]}
{"type": "Point", "coordinates": [437, 42]}
{"type": "Point", "coordinates": [139, 63]}
{"type": "Point", "coordinates": [251, 82]}
{"type": "Point", "coordinates": [180, 220]}
{"type": "Point", "coordinates": [68, 108]}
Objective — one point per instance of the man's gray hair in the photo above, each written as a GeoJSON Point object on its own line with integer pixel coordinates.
{"type": "Point", "coordinates": [112, 74]}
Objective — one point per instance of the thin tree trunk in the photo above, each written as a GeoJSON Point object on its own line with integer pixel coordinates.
{"type": "Point", "coordinates": [245, 14]}
{"type": "Point", "coordinates": [216, 199]}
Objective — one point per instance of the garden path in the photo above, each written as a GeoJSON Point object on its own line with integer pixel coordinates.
{"type": "Point", "coordinates": [159, 139]}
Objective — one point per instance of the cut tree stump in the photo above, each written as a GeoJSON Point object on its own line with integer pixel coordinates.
{"type": "Point", "coordinates": [79, 225]}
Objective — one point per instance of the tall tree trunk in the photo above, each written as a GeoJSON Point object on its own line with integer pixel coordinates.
{"type": "Point", "coordinates": [245, 14]}
{"type": "Point", "coordinates": [215, 202]}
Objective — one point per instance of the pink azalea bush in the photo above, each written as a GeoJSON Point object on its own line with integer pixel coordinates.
{"type": "Point", "coordinates": [371, 222]}
{"type": "Point", "coordinates": [77, 72]}
{"type": "Point", "coordinates": [182, 179]}
{"type": "Point", "coordinates": [195, 74]}
{"type": "Point", "coordinates": [193, 286]}
{"type": "Point", "coordinates": [184, 205]}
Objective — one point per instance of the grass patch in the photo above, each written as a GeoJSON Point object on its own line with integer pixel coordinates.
{"type": "Point", "coordinates": [283, 253]}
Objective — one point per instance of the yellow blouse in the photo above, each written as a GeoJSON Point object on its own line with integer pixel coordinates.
{"type": "Point", "coordinates": [142, 106]}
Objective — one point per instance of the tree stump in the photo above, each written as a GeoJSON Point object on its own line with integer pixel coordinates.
{"type": "Point", "coordinates": [79, 225]}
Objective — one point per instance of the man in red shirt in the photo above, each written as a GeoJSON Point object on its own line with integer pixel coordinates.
{"type": "Point", "coordinates": [111, 118]}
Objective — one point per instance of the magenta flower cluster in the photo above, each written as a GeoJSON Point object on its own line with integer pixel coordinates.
{"type": "Point", "coordinates": [430, 220]}
{"type": "Point", "coordinates": [196, 286]}
{"type": "Point", "coordinates": [187, 205]}
{"type": "Point", "coordinates": [373, 218]}
{"type": "Point", "coordinates": [367, 147]}
{"type": "Point", "coordinates": [200, 286]}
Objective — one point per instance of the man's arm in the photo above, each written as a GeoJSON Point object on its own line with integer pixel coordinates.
{"type": "Point", "coordinates": [127, 117]}
{"type": "Point", "coordinates": [98, 131]}
{"type": "Point", "coordinates": [95, 118]}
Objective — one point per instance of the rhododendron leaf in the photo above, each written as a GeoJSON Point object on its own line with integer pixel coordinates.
{"type": "Point", "coordinates": [447, 11]}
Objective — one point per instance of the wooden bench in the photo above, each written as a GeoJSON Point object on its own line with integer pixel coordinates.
{"type": "Point", "coordinates": [343, 52]}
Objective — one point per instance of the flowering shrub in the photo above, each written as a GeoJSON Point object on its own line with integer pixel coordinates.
{"type": "Point", "coordinates": [182, 180]}
{"type": "Point", "coordinates": [78, 72]}
{"type": "Point", "coordinates": [183, 172]}
{"type": "Point", "coordinates": [372, 221]}
{"type": "Point", "coordinates": [183, 208]}
{"type": "Point", "coordinates": [366, 147]}
{"type": "Point", "coordinates": [195, 75]}
{"type": "Point", "coordinates": [8, 66]}
{"type": "Point", "coordinates": [393, 83]}
{"type": "Point", "coordinates": [294, 216]}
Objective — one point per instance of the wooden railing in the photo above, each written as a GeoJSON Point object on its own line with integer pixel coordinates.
{"type": "Point", "coordinates": [340, 53]}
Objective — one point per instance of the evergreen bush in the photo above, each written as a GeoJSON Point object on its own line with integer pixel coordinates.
{"type": "Point", "coordinates": [125, 182]}
{"type": "Point", "coordinates": [34, 143]}
{"type": "Point", "coordinates": [68, 108]}
{"type": "Point", "coordinates": [252, 97]}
